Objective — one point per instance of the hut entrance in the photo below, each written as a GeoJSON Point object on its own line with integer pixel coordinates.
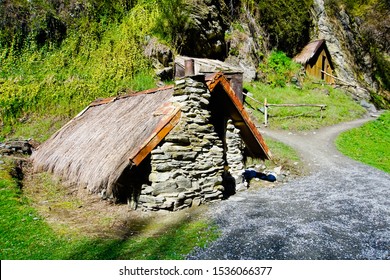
{"type": "Point", "coordinates": [129, 185]}
{"type": "Point", "coordinates": [219, 119]}
{"type": "Point", "coordinates": [323, 67]}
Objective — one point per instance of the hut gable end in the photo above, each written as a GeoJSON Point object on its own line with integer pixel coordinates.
{"type": "Point", "coordinates": [316, 59]}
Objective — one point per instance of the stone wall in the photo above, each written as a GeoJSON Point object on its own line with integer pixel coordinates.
{"type": "Point", "coordinates": [187, 167]}
{"type": "Point", "coordinates": [235, 155]}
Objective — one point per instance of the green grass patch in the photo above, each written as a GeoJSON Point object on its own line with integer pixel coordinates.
{"type": "Point", "coordinates": [282, 155]}
{"type": "Point", "coordinates": [339, 106]}
{"type": "Point", "coordinates": [25, 234]}
{"type": "Point", "coordinates": [368, 143]}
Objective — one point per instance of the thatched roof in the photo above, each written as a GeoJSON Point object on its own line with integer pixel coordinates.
{"type": "Point", "coordinates": [311, 50]}
{"type": "Point", "coordinates": [96, 146]}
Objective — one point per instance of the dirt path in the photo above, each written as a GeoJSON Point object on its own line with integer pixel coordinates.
{"type": "Point", "coordinates": [340, 211]}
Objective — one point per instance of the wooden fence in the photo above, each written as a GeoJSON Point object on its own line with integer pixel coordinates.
{"type": "Point", "coordinates": [266, 105]}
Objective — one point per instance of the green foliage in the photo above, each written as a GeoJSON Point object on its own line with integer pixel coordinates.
{"type": "Point", "coordinates": [100, 61]}
{"type": "Point", "coordinates": [368, 143]}
{"type": "Point", "coordinates": [339, 106]}
{"type": "Point", "coordinates": [287, 22]}
{"type": "Point", "coordinates": [47, 23]}
{"type": "Point", "coordinates": [172, 21]}
{"type": "Point", "coordinates": [277, 69]}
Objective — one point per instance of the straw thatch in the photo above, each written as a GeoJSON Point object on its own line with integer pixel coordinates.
{"type": "Point", "coordinates": [310, 51]}
{"type": "Point", "coordinates": [96, 147]}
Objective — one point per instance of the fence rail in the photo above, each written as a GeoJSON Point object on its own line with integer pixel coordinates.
{"type": "Point", "coordinates": [265, 105]}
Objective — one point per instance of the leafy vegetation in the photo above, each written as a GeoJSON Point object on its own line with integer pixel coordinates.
{"type": "Point", "coordinates": [277, 69]}
{"type": "Point", "coordinates": [368, 143]}
{"type": "Point", "coordinates": [99, 60]}
{"type": "Point", "coordinates": [287, 22]}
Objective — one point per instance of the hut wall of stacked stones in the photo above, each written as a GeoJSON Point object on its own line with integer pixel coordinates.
{"type": "Point", "coordinates": [189, 166]}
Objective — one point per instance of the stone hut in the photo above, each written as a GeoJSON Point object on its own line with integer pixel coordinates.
{"type": "Point", "coordinates": [316, 59]}
{"type": "Point", "coordinates": [167, 148]}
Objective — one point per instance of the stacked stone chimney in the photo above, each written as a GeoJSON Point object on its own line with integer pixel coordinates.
{"type": "Point", "coordinates": [187, 167]}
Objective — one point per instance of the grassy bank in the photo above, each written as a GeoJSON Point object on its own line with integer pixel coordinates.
{"type": "Point", "coordinates": [98, 59]}
{"type": "Point", "coordinates": [339, 106]}
{"type": "Point", "coordinates": [368, 143]}
{"type": "Point", "coordinates": [25, 232]}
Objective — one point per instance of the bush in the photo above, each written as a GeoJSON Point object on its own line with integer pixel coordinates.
{"type": "Point", "coordinates": [287, 22]}
{"type": "Point", "coordinates": [278, 69]}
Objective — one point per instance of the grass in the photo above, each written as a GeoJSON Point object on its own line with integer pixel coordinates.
{"type": "Point", "coordinates": [100, 60]}
{"type": "Point", "coordinates": [25, 233]}
{"type": "Point", "coordinates": [339, 106]}
{"type": "Point", "coordinates": [368, 143]}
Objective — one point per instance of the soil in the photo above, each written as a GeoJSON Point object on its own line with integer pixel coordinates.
{"type": "Point", "coordinates": [341, 210]}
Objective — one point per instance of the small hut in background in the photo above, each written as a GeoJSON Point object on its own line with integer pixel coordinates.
{"type": "Point", "coordinates": [316, 59]}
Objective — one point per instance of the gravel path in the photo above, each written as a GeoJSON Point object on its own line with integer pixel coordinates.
{"type": "Point", "coordinates": [340, 211]}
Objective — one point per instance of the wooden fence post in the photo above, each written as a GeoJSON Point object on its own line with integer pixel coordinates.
{"type": "Point", "coordinates": [265, 112]}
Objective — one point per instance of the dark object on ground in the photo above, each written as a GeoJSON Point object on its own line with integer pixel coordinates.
{"type": "Point", "coordinates": [250, 174]}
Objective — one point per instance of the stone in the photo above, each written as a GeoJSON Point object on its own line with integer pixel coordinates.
{"type": "Point", "coordinates": [159, 176]}
{"type": "Point", "coordinates": [147, 190]}
{"type": "Point", "coordinates": [184, 183]}
{"type": "Point", "coordinates": [213, 195]}
{"type": "Point", "coordinates": [178, 139]}
{"type": "Point", "coordinates": [146, 199]}
{"type": "Point", "coordinates": [184, 155]}
{"type": "Point", "coordinates": [163, 167]}
{"type": "Point", "coordinates": [196, 202]}
{"type": "Point", "coordinates": [164, 187]}
{"type": "Point", "coordinates": [160, 199]}
{"type": "Point", "coordinates": [188, 201]}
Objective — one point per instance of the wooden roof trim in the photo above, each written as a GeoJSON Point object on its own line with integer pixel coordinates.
{"type": "Point", "coordinates": [172, 115]}
{"type": "Point", "coordinates": [218, 78]}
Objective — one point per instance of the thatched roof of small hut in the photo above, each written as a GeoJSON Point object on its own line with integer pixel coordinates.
{"type": "Point", "coordinates": [96, 146]}
{"type": "Point", "coordinates": [310, 51]}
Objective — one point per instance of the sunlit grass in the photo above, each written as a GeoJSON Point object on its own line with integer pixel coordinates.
{"type": "Point", "coordinates": [339, 106]}
{"type": "Point", "coordinates": [368, 143]}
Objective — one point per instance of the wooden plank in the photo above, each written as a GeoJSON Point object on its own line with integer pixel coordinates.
{"type": "Point", "coordinates": [297, 105]}
{"type": "Point", "coordinates": [166, 124]}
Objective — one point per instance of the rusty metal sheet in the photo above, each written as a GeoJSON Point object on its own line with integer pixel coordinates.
{"type": "Point", "coordinates": [171, 115]}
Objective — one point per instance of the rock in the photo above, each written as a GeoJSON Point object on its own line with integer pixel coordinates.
{"type": "Point", "coordinates": [165, 74]}
{"type": "Point", "coordinates": [369, 107]}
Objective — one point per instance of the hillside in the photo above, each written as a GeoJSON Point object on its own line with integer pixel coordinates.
{"type": "Point", "coordinates": [58, 56]}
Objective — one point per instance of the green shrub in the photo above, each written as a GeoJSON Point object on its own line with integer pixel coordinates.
{"type": "Point", "coordinates": [278, 69]}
